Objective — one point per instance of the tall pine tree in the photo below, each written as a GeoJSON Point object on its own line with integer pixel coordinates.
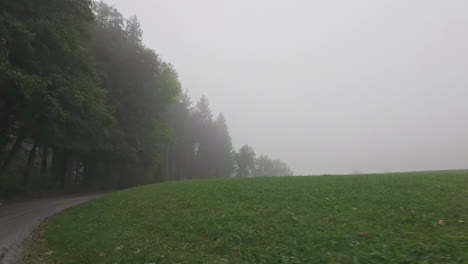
{"type": "Point", "coordinates": [223, 150]}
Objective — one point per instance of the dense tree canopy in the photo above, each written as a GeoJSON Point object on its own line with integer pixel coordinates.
{"type": "Point", "coordinates": [50, 92]}
{"type": "Point", "coordinates": [83, 102]}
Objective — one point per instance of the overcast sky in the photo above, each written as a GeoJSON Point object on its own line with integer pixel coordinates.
{"type": "Point", "coordinates": [326, 86]}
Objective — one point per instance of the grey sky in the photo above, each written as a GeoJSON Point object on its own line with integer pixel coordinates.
{"type": "Point", "coordinates": [327, 86]}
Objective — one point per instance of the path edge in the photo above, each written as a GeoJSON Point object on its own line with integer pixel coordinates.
{"type": "Point", "coordinates": [35, 250]}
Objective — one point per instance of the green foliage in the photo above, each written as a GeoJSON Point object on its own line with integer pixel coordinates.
{"type": "Point", "coordinates": [48, 76]}
{"type": "Point", "coordinates": [223, 157]}
{"type": "Point", "coordinates": [245, 159]}
{"type": "Point", "coordinates": [139, 84]}
{"type": "Point", "coordinates": [202, 147]}
{"type": "Point", "coordinates": [264, 166]}
{"type": "Point", "coordinates": [77, 82]}
{"type": "Point", "coordinates": [80, 81]}
{"type": "Point", "coordinates": [181, 155]}
{"type": "Point", "coordinates": [390, 218]}
{"type": "Point", "coordinates": [203, 110]}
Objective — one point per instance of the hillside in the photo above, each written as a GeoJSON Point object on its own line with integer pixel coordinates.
{"type": "Point", "coordinates": [387, 218]}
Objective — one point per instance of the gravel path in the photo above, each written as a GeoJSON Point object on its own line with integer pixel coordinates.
{"type": "Point", "coordinates": [18, 220]}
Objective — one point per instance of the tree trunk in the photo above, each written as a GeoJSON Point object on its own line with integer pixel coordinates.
{"type": "Point", "coordinates": [108, 176]}
{"type": "Point", "coordinates": [44, 170]}
{"type": "Point", "coordinates": [168, 170]}
{"type": "Point", "coordinates": [173, 164]}
{"type": "Point", "coordinates": [70, 176]}
{"type": "Point", "coordinates": [5, 119]}
{"type": "Point", "coordinates": [19, 141]}
{"type": "Point", "coordinates": [123, 175]}
{"type": "Point", "coordinates": [86, 174]}
{"type": "Point", "coordinates": [27, 172]}
{"type": "Point", "coordinates": [59, 167]}
{"type": "Point", "coordinates": [66, 176]}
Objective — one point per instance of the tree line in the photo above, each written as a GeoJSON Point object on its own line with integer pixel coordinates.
{"type": "Point", "coordinates": [83, 102]}
{"type": "Point", "coordinates": [202, 146]}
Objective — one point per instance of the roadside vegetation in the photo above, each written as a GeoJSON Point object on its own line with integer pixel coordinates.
{"type": "Point", "coordinates": [85, 104]}
{"type": "Point", "coordinates": [387, 218]}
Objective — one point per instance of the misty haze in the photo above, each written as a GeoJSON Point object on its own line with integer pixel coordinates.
{"type": "Point", "coordinates": [175, 131]}
{"type": "Point", "coordinates": [334, 87]}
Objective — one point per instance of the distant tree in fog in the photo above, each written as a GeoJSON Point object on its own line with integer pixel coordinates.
{"type": "Point", "coordinates": [245, 159]}
{"type": "Point", "coordinates": [264, 166]}
{"type": "Point", "coordinates": [223, 150]}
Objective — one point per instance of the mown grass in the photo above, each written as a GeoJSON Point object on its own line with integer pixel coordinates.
{"type": "Point", "coordinates": [388, 218]}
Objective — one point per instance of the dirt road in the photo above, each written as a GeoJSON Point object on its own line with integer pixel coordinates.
{"type": "Point", "coordinates": [18, 220]}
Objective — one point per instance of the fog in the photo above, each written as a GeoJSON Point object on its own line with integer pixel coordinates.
{"type": "Point", "coordinates": [326, 86]}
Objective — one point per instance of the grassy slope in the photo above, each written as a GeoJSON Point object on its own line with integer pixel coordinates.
{"type": "Point", "coordinates": [272, 220]}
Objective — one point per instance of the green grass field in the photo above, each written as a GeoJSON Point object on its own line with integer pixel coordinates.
{"type": "Point", "coordinates": [388, 218]}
